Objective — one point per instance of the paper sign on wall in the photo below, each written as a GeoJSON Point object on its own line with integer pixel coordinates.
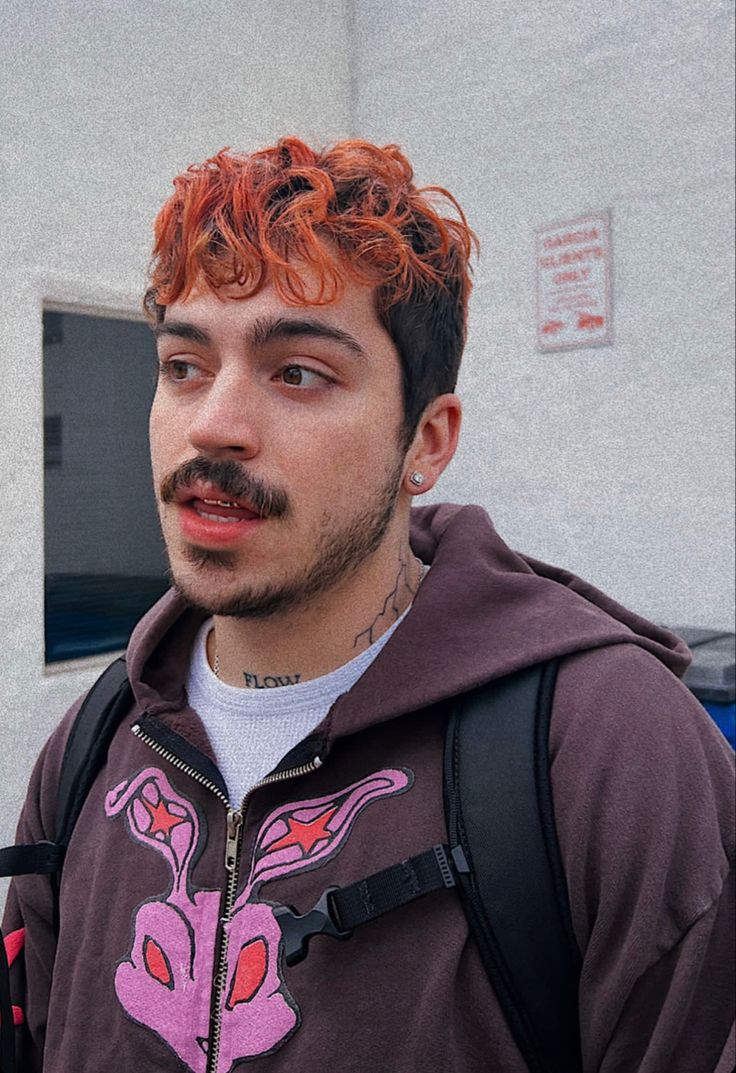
{"type": "Point", "coordinates": [574, 307]}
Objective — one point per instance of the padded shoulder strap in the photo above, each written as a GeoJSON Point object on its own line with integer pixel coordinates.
{"type": "Point", "coordinates": [88, 742]}
{"type": "Point", "coordinates": [498, 803]}
{"type": "Point", "coordinates": [85, 753]}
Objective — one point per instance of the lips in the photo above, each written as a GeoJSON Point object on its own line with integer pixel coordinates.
{"type": "Point", "coordinates": [221, 508]}
{"type": "Point", "coordinates": [209, 499]}
{"type": "Point", "coordinates": [208, 515]}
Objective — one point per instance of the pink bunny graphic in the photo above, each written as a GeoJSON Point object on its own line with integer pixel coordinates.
{"type": "Point", "coordinates": [165, 981]}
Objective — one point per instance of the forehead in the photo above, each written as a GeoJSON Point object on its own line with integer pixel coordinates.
{"type": "Point", "coordinates": [228, 311]}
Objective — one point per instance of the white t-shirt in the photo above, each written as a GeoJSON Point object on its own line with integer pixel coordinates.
{"type": "Point", "coordinates": [252, 729]}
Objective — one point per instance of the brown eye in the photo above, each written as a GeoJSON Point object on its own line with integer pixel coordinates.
{"type": "Point", "coordinates": [176, 371]}
{"type": "Point", "coordinates": [302, 376]}
{"type": "Point", "coordinates": [293, 374]}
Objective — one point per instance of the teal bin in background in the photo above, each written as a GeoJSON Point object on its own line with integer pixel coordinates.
{"type": "Point", "coordinates": [712, 674]}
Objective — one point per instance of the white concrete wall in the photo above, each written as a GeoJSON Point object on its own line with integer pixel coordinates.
{"type": "Point", "coordinates": [615, 462]}
{"type": "Point", "coordinates": [103, 103]}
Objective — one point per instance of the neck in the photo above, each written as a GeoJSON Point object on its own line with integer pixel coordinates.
{"type": "Point", "coordinates": [315, 639]}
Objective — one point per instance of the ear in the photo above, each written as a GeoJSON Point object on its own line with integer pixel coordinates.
{"type": "Point", "coordinates": [434, 444]}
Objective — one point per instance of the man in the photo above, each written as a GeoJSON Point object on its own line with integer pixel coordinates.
{"type": "Point", "coordinates": [291, 692]}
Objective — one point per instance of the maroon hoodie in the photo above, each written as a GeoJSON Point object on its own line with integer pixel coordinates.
{"type": "Point", "coordinates": [643, 796]}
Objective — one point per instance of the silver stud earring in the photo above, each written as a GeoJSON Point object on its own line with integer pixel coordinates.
{"type": "Point", "coordinates": [417, 479]}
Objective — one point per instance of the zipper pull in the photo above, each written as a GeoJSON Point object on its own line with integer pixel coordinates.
{"type": "Point", "coordinates": [234, 823]}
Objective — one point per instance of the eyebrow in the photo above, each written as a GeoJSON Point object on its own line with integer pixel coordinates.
{"type": "Point", "coordinates": [267, 330]}
{"type": "Point", "coordinates": [182, 329]}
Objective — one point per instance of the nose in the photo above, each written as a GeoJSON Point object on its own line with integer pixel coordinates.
{"type": "Point", "coordinates": [225, 423]}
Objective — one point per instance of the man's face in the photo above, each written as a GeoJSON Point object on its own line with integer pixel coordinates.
{"type": "Point", "coordinates": [294, 414]}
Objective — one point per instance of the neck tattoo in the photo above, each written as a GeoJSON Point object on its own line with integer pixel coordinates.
{"type": "Point", "coordinates": [272, 681]}
{"type": "Point", "coordinates": [391, 609]}
{"type": "Point", "coordinates": [269, 681]}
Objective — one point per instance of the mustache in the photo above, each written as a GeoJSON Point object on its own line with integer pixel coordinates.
{"type": "Point", "coordinates": [234, 481]}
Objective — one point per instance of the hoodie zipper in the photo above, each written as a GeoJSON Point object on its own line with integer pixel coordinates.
{"type": "Point", "coordinates": [233, 846]}
{"type": "Point", "coordinates": [140, 733]}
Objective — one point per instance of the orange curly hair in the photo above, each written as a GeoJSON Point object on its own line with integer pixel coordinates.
{"type": "Point", "coordinates": [350, 210]}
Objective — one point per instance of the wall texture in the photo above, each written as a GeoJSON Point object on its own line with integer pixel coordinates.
{"type": "Point", "coordinates": [616, 462]}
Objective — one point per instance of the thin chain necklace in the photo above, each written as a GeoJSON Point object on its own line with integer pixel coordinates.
{"type": "Point", "coordinates": [422, 572]}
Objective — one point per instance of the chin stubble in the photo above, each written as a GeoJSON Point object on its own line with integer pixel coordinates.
{"type": "Point", "coordinates": [339, 554]}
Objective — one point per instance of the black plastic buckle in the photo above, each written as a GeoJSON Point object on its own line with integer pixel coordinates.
{"type": "Point", "coordinates": [298, 930]}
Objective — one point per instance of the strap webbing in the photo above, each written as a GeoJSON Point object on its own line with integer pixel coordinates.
{"type": "Point", "coordinates": [35, 858]}
{"type": "Point", "coordinates": [392, 887]}
{"type": "Point", "coordinates": [340, 909]}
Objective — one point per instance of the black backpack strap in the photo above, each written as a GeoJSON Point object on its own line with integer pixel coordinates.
{"type": "Point", "coordinates": [85, 753]}
{"type": "Point", "coordinates": [505, 859]}
{"type": "Point", "coordinates": [89, 739]}
{"type": "Point", "coordinates": [498, 803]}
{"type": "Point", "coordinates": [341, 909]}
{"type": "Point", "coordinates": [35, 858]}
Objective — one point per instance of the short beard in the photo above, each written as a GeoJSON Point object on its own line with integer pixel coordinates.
{"type": "Point", "coordinates": [338, 557]}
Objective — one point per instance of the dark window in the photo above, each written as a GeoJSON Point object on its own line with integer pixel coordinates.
{"type": "Point", "coordinates": [105, 559]}
{"type": "Point", "coordinates": [52, 440]}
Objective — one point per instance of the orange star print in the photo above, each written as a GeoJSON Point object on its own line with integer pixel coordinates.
{"type": "Point", "coordinates": [305, 834]}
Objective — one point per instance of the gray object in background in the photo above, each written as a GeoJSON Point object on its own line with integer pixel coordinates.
{"type": "Point", "coordinates": [712, 675]}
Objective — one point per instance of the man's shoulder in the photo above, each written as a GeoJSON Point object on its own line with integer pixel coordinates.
{"type": "Point", "coordinates": [624, 690]}
{"type": "Point", "coordinates": [619, 707]}
{"type": "Point", "coordinates": [643, 787]}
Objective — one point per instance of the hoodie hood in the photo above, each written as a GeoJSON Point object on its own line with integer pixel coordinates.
{"type": "Point", "coordinates": [483, 611]}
